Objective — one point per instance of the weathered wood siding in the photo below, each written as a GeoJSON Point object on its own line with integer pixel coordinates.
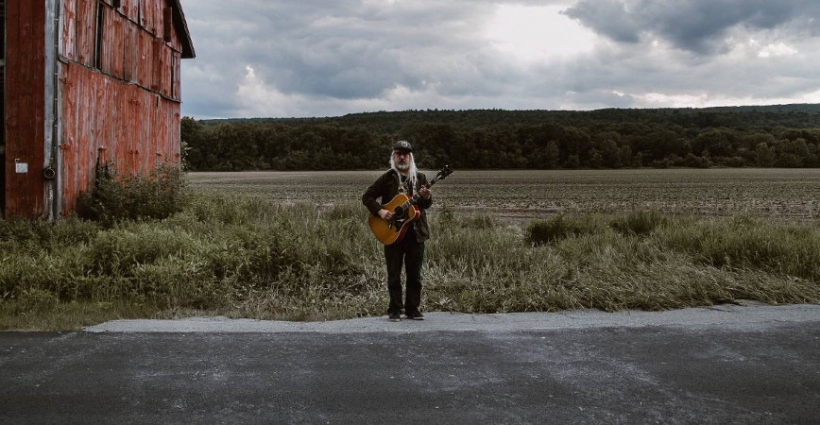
{"type": "Point", "coordinates": [116, 122]}
{"type": "Point", "coordinates": [130, 52]}
{"type": "Point", "coordinates": [124, 113]}
{"type": "Point", "coordinates": [25, 106]}
{"type": "Point", "coordinates": [116, 94]}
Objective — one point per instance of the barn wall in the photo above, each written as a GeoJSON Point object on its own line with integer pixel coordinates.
{"type": "Point", "coordinates": [126, 111]}
{"type": "Point", "coordinates": [112, 121]}
{"type": "Point", "coordinates": [25, 106]}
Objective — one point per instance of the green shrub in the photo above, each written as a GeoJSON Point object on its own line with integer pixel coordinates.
{"type": "Point", "coordinates": [18, 235]}
{"type": "Point", "coordinates": [57, 272]}
{"type": "Point", "coordinates": [35, 300]}
{"type": "Point", "coordinates": [639, 222]}
{"type": "Point", "coordinates": [445, 216]}
{"type": "Point", "coordinates": [117, 252]}
{"type": "Point", "coordinates": [542, 232]}
{"type": "Point", "coordinates": [231, 209]}
{"type": "Point", "coordinates": [18, 229]}
{"type": "Point", "coordinates": [73, 230]}
{"type": "Point", "coordinates": [478, 221]}
{"type": "Point", "coordinates": [114, 198]}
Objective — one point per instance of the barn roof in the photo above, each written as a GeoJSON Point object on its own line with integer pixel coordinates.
{"type": "Point", "coordinates": [182, 28]}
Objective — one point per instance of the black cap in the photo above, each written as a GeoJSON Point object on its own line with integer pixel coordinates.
{"type": "Point", "coordinates": [403, 146]}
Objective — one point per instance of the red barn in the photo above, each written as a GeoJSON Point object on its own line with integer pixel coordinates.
{"type": "Point", "coordinates": [86, 82]}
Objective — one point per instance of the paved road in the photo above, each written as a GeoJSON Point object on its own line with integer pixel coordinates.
{"type": "Point", "coordinates": [726, 365]}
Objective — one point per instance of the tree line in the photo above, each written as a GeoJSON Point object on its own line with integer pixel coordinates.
{"type": "Point", "coordinates": [786, 136]}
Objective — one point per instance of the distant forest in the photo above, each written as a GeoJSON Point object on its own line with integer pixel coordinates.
{"type": "Point", "coordinates": [786, 136]}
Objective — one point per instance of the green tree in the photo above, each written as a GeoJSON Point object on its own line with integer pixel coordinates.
{"type": "Point", "coordinates": [792, 153]}
{"type": "Point", "coordinates": [764, 156]}
{"type": "Point", "coordinates": [595, 158]}
{"type": "Point", "coordinates": [572, 162]}
{"type": "Point", "coordinates": [553, 155]}
{"type": "Point", "coordinates": [609, 154]}
{"type": "Point", "coordinates": [637, 160]}
{"type": "Point", "coordinates": [625, 155]}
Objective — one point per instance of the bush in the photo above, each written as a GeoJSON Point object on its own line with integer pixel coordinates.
{"type": "Point", "coordinates": [117, 253]}
{"type": "Point", "coordinates": [478, 222]}
{"type": "Point", "coordinates": [115, 198]}
{"type": "Point", "coordinates": [694, 161]}
{"type": "Point", "coordinates": [25, 235]}
{"type": "Point", "coordinates": [446, 216]}
{"type": "Point", "coordinates": [639, 222]}
{"type": "Point", "coordinates": [557, 228]}
{"type": "Point", "coordinates": [35, 300]}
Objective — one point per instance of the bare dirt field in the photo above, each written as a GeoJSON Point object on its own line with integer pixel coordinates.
{"type": "Point", "coordinates": [522, 195]}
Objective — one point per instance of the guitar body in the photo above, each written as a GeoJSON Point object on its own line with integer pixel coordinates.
{"type": "Point", "coordinates": [390, 232]}
{"type": "Point", "coordinates": [404, 211]}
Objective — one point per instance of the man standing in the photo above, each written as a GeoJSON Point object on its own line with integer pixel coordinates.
{"type": "Point", "coordinates": [402, 177]}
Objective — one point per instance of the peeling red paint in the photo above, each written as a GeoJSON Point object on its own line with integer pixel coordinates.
{"type": "Point", "coordinates": [117, 99]}
{"type": "Point", "coordinates": [145, 124]}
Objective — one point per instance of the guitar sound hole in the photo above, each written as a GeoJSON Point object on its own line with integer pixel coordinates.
{"type": "Point", "coordinates": [399, 213]}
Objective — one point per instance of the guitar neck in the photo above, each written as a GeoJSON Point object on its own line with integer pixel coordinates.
{"type": "Point", "coordinates": [415, 198]}
{"type": "Point", "coordinates": [441, 175]}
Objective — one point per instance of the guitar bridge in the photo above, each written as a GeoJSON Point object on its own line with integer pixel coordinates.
{"type": "Point", "coordinates": [396, 222]}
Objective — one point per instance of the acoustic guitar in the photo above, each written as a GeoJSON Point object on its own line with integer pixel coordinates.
{"type": "Point", "coordinates": [404, 211]}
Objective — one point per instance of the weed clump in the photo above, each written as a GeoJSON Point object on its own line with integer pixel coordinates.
{"type": "Point", "coordinates": [478, 222]}
{"type": "Point", "coordinates": [115, 198]}
{"type": "Point", "coordinates": [24, 235]}
{"type": "Point", "coordinates": [543, 232]}
{"type": "Point", "coordinates": [639, 222]}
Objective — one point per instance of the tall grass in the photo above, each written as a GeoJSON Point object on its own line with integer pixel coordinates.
{"type": "Point", "coordinates": [251, 257]}
{"type": "Point", "coordinates": [642, 260]}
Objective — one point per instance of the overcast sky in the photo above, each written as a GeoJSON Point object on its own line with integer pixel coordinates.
{"type": "Point", "coordinates": [316, 58]}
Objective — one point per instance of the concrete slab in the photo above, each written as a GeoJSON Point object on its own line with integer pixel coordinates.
{"type": "Point", "coordinates": [733, 316]}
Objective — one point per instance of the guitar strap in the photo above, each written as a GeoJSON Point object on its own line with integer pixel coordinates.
{"type": "Point", "coordinates": [404, 185]}
{"type": "Point", "coordinates": [406, 188]}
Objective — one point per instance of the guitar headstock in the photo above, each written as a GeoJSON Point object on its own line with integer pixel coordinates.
{"type": "Point", "coordinates": [445, 171]}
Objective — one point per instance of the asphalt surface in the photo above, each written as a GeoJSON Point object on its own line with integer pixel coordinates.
{"type": "Point", "coordinates": [724, 365]}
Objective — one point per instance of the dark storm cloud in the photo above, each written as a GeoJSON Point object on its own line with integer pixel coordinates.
{"type": "Point", "coordinates": [698, 26]}
{"type": "Point", "coordinates": [608, 17]}
{"type": "Point", "coordinates": [331, 57]}
{"type": "Point", "coordinates": [337, 49]}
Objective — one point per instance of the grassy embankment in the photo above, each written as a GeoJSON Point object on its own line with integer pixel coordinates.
{"type": "Point", "coordinates": [242, 256]}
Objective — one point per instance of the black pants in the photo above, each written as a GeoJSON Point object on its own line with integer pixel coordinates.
{"type": "Point", "coordinates": [411, 253]}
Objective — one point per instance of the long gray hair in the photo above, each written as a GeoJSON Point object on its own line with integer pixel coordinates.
{"type": "Point", "coordinates": [412, 173]}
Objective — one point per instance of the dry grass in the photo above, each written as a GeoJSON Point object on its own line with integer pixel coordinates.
{"type": "Point", "coordinates": [296, 247]}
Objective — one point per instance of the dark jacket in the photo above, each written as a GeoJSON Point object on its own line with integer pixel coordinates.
{"type": "Point", "coordinates": [386, 187]}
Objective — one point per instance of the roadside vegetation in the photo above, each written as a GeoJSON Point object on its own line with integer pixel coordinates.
{"type": "Point", "coordinates": [254, 257]}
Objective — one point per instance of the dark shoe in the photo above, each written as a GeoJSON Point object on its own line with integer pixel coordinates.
{"type": "Point", "coordinates": [394, 317]}
{"type": "Point", "coordinates": [414, 315]}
